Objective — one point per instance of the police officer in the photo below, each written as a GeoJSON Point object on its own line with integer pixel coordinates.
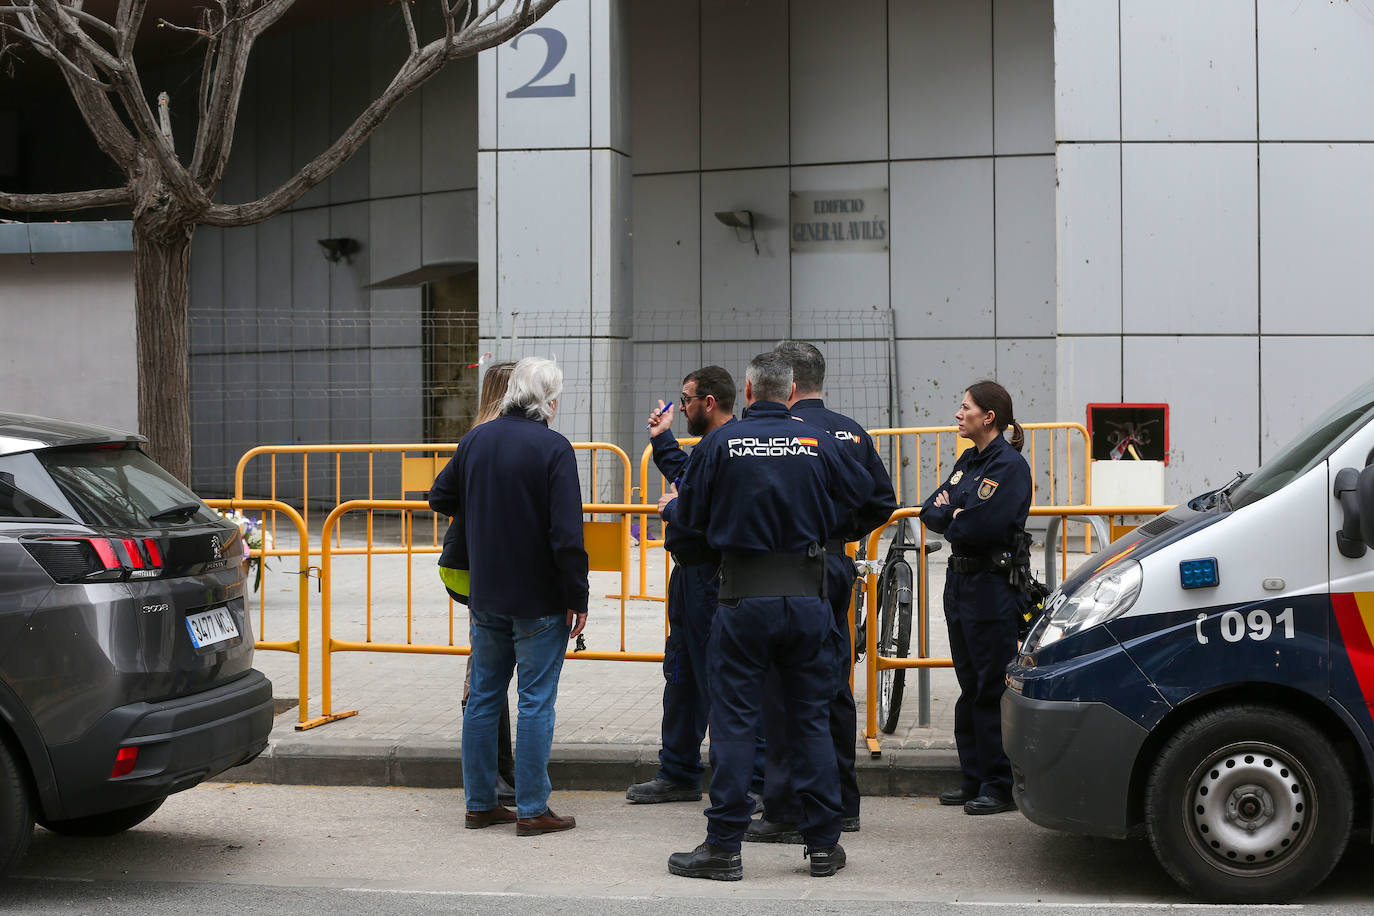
{"type": "Point", "coordinates": [981, 510]}
{"type": "Point", "coordinates": [778, 823]}
{"type": "Point", "coordinates": [708, 402]}
{"type": "Point", "coordinates": [768, 491]}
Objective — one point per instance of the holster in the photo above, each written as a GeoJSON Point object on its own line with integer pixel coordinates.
{"type": "Point", "coordinates": [772, 575]}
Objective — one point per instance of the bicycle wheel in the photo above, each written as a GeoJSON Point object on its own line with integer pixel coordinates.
{"type": "Point", "coordinates": [894, 638]}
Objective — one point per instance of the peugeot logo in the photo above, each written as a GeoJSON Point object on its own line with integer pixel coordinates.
{"type": "Point", "coordinates": [215, 547]}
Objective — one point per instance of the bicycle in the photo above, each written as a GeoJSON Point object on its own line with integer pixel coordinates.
{"type": "Point", "coordinates": [896, 586]}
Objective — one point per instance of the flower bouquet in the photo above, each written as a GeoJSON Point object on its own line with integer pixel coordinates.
{"type": "Point", "coordinates": [255, 538]}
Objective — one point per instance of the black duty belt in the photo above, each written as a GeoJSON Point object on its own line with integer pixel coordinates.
{"type": "Point", "coordinates": [694, 557]}
{"type": "Point", "coordinates": [968, 566]}
{"type": "Point", "coordinates": [835, 545]}
{"type": "Point", "coordinates": [772, 575]}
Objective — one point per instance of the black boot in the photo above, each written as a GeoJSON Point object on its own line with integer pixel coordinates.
{"type": "Point", "coordinates": [766, 831]}
{"type": "Point", "coordinates": [658, 790]}
{"type": "Point", "coordinates": [707, 861]}
{"type": "Point", "coordinates": [825, 862]}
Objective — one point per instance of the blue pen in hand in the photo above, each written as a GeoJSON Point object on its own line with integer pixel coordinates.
{"type": "Point", "coordinates": [661, 411]}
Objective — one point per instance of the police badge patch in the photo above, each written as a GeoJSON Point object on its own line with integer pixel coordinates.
{"type": "Point", "coordinates": [987, 488]}
{"type": "Point", "coordinates": [955, 478]}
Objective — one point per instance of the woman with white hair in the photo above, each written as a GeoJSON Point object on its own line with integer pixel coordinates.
{"type": "Point", "coordinates": [513, 491]}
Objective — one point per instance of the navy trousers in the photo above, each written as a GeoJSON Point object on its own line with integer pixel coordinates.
{"type": "Point", "coordinates": [795, 636]}
{"type": "Point", "coordinates": [779, 801]}
{"type": "Point", "coordinates": [686, 700]}
{"type": "Point", "coordinates": [981, 611]}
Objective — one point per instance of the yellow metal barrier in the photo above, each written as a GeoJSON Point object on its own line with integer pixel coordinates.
{"type": "Point", "coordinates": [651, 500]}
{"type": "Point", "coordinates": [920, 625]}
{"type": "Point", "coordinates": [601, 550]}
{"type": "Point", "coordinates": [300, 644]}
{"type": "Point", "coordinates": [1059, 486]}
{"type": "Point", "coordinates": [416, 467]}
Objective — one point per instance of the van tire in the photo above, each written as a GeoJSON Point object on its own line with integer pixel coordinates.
{"type": "Point", "coordinates": [1248, 804]}
{"type": "Point", "coordinates": [16, 811]}
{"type": "Point", "coordinates": [107, 823]}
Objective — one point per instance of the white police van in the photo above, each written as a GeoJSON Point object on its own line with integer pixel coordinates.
{"type": "Point", "coordinates": [1208, 678]}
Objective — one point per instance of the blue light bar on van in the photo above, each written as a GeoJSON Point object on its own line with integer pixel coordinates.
{"type": "Point", "coordinates": [1199, 573]}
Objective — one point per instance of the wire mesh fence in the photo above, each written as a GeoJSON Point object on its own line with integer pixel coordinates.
{"type": "Point", "coordinates": [307, 377]}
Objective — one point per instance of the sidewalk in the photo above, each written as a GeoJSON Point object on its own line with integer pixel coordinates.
{"type": "Point", "coordinates": [409, 725]}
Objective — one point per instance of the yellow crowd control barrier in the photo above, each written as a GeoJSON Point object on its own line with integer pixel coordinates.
{"type": "Point", "coordinates": [650, 497]}
{"type": "Point", "coordinates": [920, 624]}
{"type": "Point", "coordinates": [300, 644]}
{"type": "Point", "coordinates": [343, 472]}
{"type": "Point", "coordinates": [1070, 479]}
{"type": "Point", "coordinates": [608, 549]}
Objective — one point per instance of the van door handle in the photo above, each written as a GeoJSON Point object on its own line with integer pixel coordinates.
{"type": "Point", "coordinates": [1349, 539]}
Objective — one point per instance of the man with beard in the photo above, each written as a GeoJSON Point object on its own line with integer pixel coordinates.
{"type": "Point", "coordinates": [708, 402]}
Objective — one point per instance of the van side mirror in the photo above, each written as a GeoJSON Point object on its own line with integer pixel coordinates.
{"type": "Point", "coordinates": [1364, 492]}
{"type": "Point", "coordinates": [1356, 525]}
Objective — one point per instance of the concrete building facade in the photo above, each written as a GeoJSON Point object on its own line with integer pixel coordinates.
{"type": "Point", "coordinates": [1090, 200]}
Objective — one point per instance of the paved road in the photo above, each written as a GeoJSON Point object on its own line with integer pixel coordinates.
{"type": "Point", "coordinates": [243, 849]}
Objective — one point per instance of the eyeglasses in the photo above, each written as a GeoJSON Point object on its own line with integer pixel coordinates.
{"type": "Point", "coordinates": [692, 397]}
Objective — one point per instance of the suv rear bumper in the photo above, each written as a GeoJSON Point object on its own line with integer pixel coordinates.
{"type": "Point", "coordinates": [180, 742]}
{"type": "Point", "coordinates": [1071, 763]}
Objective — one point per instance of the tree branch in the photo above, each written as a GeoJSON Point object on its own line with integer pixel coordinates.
{"type": "Point", "coordinates": [64, 25]}
{"type": "Point", "coordinates": [215, 134]}
{"type": "Point", "coordinates": [68, 200]}
{"type": "Point", "coordinates": [417, 68]}
{"type": "Point", "coordinates": [268, 15]}
{"type": "Point", "coordinates": [127, 20]}
{"type": "Point", "coordinates": [410, 27]}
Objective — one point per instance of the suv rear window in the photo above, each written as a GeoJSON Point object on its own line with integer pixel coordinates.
{"type": "Point", "coordinates": [15, 503]}
{"type": "Point", "coordinates": [120, 487]}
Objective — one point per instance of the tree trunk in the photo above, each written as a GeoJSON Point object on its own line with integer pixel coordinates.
{"type": "Point", "coordinates": [162, 264]}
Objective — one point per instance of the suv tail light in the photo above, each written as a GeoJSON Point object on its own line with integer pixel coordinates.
{"type": "Point", "coordinates": [77, 559]}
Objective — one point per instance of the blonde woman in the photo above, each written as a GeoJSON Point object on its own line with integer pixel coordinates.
{"type": "Point", "coordinates": [494, 384]}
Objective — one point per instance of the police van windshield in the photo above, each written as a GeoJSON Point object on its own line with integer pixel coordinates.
{"type": "Point", "coordinates": [1312, 446]}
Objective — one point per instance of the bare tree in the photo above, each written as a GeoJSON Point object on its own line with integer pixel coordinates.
{"type": "Point", "coordinates": [170, 198]}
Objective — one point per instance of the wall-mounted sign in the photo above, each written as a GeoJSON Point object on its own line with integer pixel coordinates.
{"type": "Point", "coordinates": [840, 221]}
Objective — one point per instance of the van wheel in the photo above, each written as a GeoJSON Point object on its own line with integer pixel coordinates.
{"type": "Point", "coordinates": [1248, 804]}
{"type": "Point", "coordinates": [107, 823]}
{"type": "Point", "coordinates": [16, 813]}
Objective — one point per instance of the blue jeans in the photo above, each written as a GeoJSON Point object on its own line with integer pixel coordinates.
{"type": "Point", "coordinates": [533, 647]}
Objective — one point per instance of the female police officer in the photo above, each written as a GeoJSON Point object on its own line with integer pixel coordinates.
{"type": "Point", "coordinates": [981, 510]}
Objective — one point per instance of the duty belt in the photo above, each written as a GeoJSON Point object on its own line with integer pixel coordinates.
{"type": "Point", "coordinates": [835, 545]}
{"type": "Point", "coordinates": [694, 557]}
{"type": "Point", "coordinates": [773, 575]}
{"type": "Point", "coordinates": [967, 566]}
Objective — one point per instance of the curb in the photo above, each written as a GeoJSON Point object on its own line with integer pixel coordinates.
{"type": "Point", "coordinates": [586, 767]}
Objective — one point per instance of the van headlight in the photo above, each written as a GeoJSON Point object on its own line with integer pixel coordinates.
{"type": "Point", "coordinates": [1105, 596]}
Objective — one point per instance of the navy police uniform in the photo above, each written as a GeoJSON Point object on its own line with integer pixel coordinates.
{"type": "Point", "coordinates": [768, 490]}
{"type": "Point", "coordinates": [779, 802]}
{"type": "Point", "coordinates": [993, 488]}
{"type": "Point", "coordinates": [692, 589]}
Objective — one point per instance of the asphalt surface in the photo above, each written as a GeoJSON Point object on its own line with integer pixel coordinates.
{"type": "Point", "coordinates": [246, 849]}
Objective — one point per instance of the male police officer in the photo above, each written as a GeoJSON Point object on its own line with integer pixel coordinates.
{"type": "Point", "coordinates": [780, 815]}
{"type": "Point", "coordinates": [708, 402]}
{"type": "Point", "coordinates": [768, 491]}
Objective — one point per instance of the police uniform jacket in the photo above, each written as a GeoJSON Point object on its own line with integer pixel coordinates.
{"type": "Point", "coordinates": [687, 545]}
{"type": "Point", "coordinates": [769, 483]}
{"type": "Point", "coordinates": [855, 440]}
{"type": "Point", "coordinates": [993, 487]}
{"type": "Point", "coordinates": [513, 492]}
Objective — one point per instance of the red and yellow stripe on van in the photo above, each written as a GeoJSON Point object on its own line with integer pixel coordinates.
{"type": "Point", "coordinates": [1355, 617]}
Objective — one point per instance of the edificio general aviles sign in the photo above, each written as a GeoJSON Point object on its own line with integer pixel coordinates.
{"type": "Point", "coordinates": [839, 221]}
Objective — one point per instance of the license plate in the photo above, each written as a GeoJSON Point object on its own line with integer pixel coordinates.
{"type": "Point", "coordinates": [210, 627]}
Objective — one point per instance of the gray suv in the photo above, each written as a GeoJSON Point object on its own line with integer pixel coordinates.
{"type": "Point", "coordinates": [125, 653]}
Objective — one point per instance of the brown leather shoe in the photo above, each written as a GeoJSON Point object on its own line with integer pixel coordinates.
{"type": "Point", "coordinates": [548, 822]}
{"type": "Point", "coordinates": [476, 820]}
